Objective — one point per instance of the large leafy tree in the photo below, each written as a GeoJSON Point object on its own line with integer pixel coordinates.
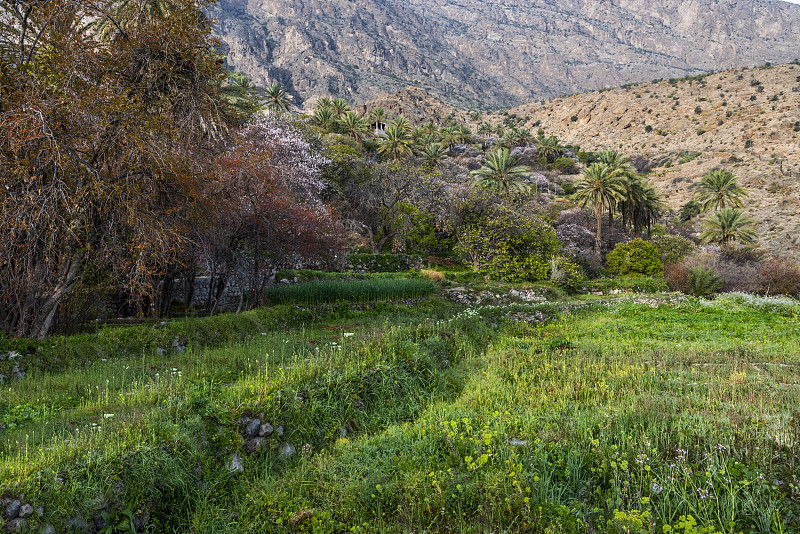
{"type": "Point", "coordinates": [383, 202]}
{"type": "Point", "coordinates": [500, 172]}
{"type": "Point", "coordinates": [267, 189]}
{"type": "Point", "coordinates": [103, 141]}
{"type": "Point", "coordinates": [508, 245]}
{"type": "Point", "coordinates": [720, 189]}
{"type": "Point", "coordinates": [600, 187]}
{"type": "Point", "coordinates": [729, 226]}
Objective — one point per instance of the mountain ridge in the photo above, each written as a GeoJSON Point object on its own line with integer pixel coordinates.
{"type": "Point", "coordinates": [496, 53]}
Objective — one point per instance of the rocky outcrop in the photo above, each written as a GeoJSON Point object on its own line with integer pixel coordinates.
{"type": "Point", "coordinates": [496, 53]}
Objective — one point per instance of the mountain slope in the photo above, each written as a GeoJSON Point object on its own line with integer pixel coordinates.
{"type": "Point", "coordinates": [496, 53]}
{"type": "Point", "coordinates": [747, 121]}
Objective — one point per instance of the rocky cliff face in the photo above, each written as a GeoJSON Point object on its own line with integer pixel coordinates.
{"type": "Point", "coordinates": [496, 53]}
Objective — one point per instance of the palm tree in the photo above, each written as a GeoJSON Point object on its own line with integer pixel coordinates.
{"type": "Point", "coordinates": [417, 134]}
{"type": "Point", "coordinates": [462, 134]}
{"type": "Point", "coordinates": [518, 137]}
{"type": "Point", "coordinates": [719, 189]}
{"type": "Point", "coordinates": [500, 172]}
{"type": "Point", "coordinates": [641, 203]}
{"type": "Point", "coordinates": [240, 93]}
{"type": "Point", "coordinates": [601, 188]}
{"type": "Point", "coordinates": [727, 226]}
{"type": "Point", "coordinates": [323, 117]}
{"type": "Point", "coordinates": [448, 137]}
{"type": "Point", "coordinates": [353, 125]}
{"type": "Point", "coordinates": [324, 103]}
{"type": "Point", "coordinates": [276, 98]}
{"type": "Point", "coordinates": [378, 115]}
{"type": "Point", "coordinates": [430, 128]}
{"type": "Point", "coordinates": [401, 122]}
{"type": "Point", "coordinates": [122, 15]}
{"type": "Point", "coordinates": [550, 148]}
{"type": "Point", "coordinates": [425, 139]}
{"type": "Point", "coordinates": [485, 129]}
{"type": "Point", "coordinates": [621, 165]}
{"type": "Point", "coordinates": [339, 107]}
{"type": "Point", "coordinates": [433, 154]}
{"type": "Point", "coordinates": [396, 142]}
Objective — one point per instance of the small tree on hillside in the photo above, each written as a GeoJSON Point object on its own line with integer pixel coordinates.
{"type": "Point", "coordinates": [501, 173]}
{"type": "Point", "coordinates": [720, 189]}
{"type": "Point", "coordinates": [729, 226]}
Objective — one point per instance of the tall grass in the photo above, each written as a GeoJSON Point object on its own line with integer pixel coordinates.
{"type": "Point", "coordinates": [350, 291]}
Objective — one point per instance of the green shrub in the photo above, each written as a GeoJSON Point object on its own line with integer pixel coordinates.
{"type": "Point", "coordinates": [672, 248]}
{"type": "Point", "coordinates": [565, 165]}
{"type": "Point", "coordinates": [703, 282]}
{"type": "Point", "coordinates": [636, 257]}
{"type": "Point", "coordinates": [509, 246]}
{"type": "Point", "coordinates": [565, 273]}
{"type": "Point", "coordinates": [689, 210]}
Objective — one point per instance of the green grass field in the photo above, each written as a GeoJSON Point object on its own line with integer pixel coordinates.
{"type": "Point", "coordinates": [630, 414]}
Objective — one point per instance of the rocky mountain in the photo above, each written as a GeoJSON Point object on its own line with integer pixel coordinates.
{"type": "Point", "coordinates": [496, 53]}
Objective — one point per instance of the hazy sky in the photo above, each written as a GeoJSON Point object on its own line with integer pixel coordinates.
{"type": "Point", "coordinates": [793, 1]}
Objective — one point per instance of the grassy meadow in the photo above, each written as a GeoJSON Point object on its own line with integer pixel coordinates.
{"type": "Point", "coordinates": [628, 413]}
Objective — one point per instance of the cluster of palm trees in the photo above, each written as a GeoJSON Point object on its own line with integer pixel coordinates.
{"type": "Point", "coordinates": [549, 147]}
{"type": "Point", "coordinates": [720, 191]}
{"type": "Point", "coordinates": [610, 184]}
{"type": "Point", "coordinates": [395, 138]}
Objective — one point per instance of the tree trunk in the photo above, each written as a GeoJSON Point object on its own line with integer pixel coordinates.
{"type": "Point", "coordinates": [190, 277]}
{"type": "Point", "coordinates": [599, 235]}
{"type": "Point", "coordinates": [43, 317]}
{"type": "Point", "coordinates": [221, 284]}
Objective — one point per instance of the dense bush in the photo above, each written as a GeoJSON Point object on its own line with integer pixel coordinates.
{"type": "Point", "coordinates": [635, 257]}
{"type": "Point", "coordinates": [703, 282]}
{"type": "Point", "coordinates": [565, 166]}
{"type": "Point", "coordinates": [672, 248]}
{"type": "Point", "coordinates": [677, 277]}
{"type": "Point", "coordinates": [509, 246]}
{"type": "Point", "coordinates": [779, 276]}
{"type": "Point", "coordinates": [565, 273]}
